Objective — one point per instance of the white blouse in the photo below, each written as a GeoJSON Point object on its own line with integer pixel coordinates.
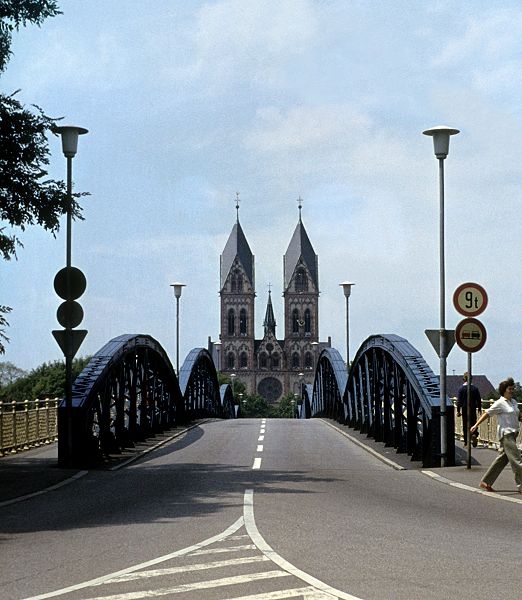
{"type": "Point", "coordinates": [507, 415]}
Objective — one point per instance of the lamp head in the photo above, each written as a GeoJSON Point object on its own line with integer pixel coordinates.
{"type": "Point", "coordinates": [70, 135]}
{"type": "Point", "coordinates": [178, 287]}
{"type": "Point", "coordinates": [347, 288]}
{"type": "Point", "coordinates": [441, 135]}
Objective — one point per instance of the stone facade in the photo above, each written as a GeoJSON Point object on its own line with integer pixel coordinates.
{"type": "Point", "coordinates": [269, 366]}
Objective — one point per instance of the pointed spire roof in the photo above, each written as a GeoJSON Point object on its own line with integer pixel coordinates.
{"type": "Point", "coordinates": [300, 247]}
{"type": "Point", "coordinates": [269, 323]}
{"type": "Point", "coordinates": [237, 246]}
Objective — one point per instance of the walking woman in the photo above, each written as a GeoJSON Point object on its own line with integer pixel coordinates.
{"type": "Point", "coordinates": [508, 417]}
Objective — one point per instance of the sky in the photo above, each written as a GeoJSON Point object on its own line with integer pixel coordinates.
{"type": "Point", "coordinates": [189, 102]}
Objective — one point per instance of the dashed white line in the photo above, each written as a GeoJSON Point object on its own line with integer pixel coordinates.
{"type": "Point", "coordinates": [257, 463]}
{"type": "Point", "coordinates": [259, 448]}
{"type": "Point", "coordinates": [260, 438]}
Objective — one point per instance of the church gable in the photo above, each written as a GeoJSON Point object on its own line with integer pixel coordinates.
{"type": "Point", "coordinates": [301, 281]}
{"type": "Point", "coordinates": [237, 281]}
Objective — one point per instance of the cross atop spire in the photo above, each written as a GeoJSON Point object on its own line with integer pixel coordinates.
{"type": "Point", "coordinates": [237, 205]}
{"type": "Point", "coordinates": [269, 287]}
{"type": "Point", "coordinates": [300, 206]}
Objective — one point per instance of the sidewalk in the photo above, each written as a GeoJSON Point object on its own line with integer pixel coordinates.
{"type": "Point", "coordinates": [36, 471]}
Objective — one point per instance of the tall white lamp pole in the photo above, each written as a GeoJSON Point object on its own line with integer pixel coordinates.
{"type": "Point", "coordinates": [178, 287]}
{"type": "Point", "coordinates": [441, 135]}
{"type": "Point", "coordinates": [347, 289]}
{"type": "Point", "coordinates": [69, 135]}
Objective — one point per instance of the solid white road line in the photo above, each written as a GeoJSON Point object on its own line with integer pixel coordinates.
{"type": "Point", "coordinates": [155, 561]}
{"type": "Point", "coordinates": [223, 550]}
{"type": "Point", "coordinates": [308, 593]}
{"type": "Point", "coordinates": [259, 541]}
{"type": "Point", "coordinates": [468, 488]}
{"type": "Point", "coordinates": [257, 463]}
{"type": "Point", "coordinates": [190, 587]}
{"type": "Point", "coordinates": [218, 564]}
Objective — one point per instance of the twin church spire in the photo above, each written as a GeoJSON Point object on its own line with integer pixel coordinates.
{"type": "Point", "coordinates": [269, 366]}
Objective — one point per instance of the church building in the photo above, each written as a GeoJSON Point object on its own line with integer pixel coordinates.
{"type": "Point", "coordinates": [272, 366]}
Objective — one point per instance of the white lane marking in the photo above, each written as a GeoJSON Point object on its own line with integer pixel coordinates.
{"type": "Point", "coordinates": [189, 587]}
{"type": "Point", "coordinates": [463, 486]}
{"type": "Point", "coordinates": [45, 490]}
{"type": "Point", "coordinates": [259, 448]}
{"type": "Point", "coordinates": [223, 550]}
{"type": "Point", "coordinates": [257, 463]}
{"type": "Point", "coordinates": [261, 438]}
{"type": "Point", "coordinates": [216, 538]}
{"type": "Point", "coordinates": [259, 541]}
{"type": "Point", "coordinates": [262, 430]}
{"type": "Point", "coordinates": [382, 458]}
{"type": "Point", "coordinates": [308, 593]}
{"type": "Point", "coordinates": [217, 564]}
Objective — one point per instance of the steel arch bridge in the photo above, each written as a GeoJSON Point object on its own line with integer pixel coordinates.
{"type": "Point", "coordinates": [390, 393]}
{"type": "Point", "coordinates": [129, 391]}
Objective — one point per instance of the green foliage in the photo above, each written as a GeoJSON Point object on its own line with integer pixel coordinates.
{"type": "Point", "coordinates": [4, 310]}
{"type": "Point", "coordinates": [14, 13]}
{"type": "Point", "coordinates": [253, 406]}
{"type": "Point", "coordinates": [46, 381]}
{"type": "Point", "coordinates": [9, 373]}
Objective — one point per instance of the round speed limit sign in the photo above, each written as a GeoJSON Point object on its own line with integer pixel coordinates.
{"type": "Point", "coordinates": [470, 299]}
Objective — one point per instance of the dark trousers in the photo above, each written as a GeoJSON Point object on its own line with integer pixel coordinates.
{"type": "Point", "coordinates": [466, 425]}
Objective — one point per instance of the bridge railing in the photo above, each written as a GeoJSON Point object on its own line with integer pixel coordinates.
{"type": "Point", "coordinates": [26, 424]}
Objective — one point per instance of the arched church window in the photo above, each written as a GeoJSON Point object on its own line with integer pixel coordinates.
{"type": "Point", "coordinates": [239, 282]}
{"type": "Point", "coordinates": [231, 321]}
{"type": "Point", "coordinates": [301, 280]}
{"type": "Point", "coordinates": [295, 360]}
{"type": "Point", "coordinates": [243, 360]}
{"type": "Point", "coordinates": [231, 360]}
{"type": "Point", "coordinates": [308, 321]}
{"type": "Point", "coordinates": [308, 360]}
{"type": "Point", "coordinates": [275, 361]}
{"type": "Point", "coordinates": [263, 360]}
{"type": "Point", "coordinates": [233, 284]}
{"type": "Point", "coordinates": [243, 321]}
{"type": "Point", "coordinates": [295, 321]}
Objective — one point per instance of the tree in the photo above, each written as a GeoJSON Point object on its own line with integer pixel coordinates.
{"type": "Point", "coordinates": [10, 373]}
{"type": "Point", "coordinates": [27, 196]}
{"type": "Point", "coordinates": [46, 381]}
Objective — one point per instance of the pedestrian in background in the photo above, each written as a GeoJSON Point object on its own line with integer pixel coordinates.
{"type": "Point", "coordinates": [508, 417]}
{"type": "Point", "coordinates": [462, 408]}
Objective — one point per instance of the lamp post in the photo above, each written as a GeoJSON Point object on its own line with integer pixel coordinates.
{"type": "Point", "coordinates": [233, 378]}
{"type": "Point", "coordinates": [441, 135]}
{"type": "Point", "coordinates": [69, 135]}
{"type": "Point", "coordinates": [178, 288]}
{"type": "Point", "coordinates": [347, 289]}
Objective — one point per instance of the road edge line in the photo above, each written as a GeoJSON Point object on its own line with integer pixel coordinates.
{"type": "Point", "coordinates": [373, 452]}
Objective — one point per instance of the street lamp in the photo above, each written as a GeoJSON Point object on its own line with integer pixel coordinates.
{"type": "Point", "coordinates": [232, 378]}
{"type": "Point", "coordinates": [347, 289]}
{"type": "Point", "coordinates": [72, 314]}
{"type": "Point", "coordinates": [178, 287]}
{"type": "Point", "coordinates": [441, 135]}
{"type": "Point", "coordinates": [218, 348]}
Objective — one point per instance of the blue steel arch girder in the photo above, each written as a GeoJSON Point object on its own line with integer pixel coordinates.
{"type": "Point", "coordinates": [390, 393]}
{"type": "Point", "coordinates": [129, 391]}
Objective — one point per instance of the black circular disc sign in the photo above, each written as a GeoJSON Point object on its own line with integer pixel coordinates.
{"type": "Point", "coordinates": [69, 314]}
{"type": "Point", "coordinates": [77, 283]}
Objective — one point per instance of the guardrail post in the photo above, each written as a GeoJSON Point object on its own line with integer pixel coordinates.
{"type": "Point", "coordinates": [13, 425]}
{"type": "Point", "coordinates": [1, 428]}
{"type": "Point", "coordinates": [26, 419]}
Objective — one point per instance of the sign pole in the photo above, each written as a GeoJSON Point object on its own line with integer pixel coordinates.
{"type": "Point", "coordinates": [468, 424]}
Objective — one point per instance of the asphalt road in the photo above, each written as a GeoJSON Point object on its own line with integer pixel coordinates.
{"type": "Point", "coordinates": [235, 510]}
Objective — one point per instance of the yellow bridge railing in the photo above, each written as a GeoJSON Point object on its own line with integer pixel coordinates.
{"type": "Point", "coordinates": [27, 424]}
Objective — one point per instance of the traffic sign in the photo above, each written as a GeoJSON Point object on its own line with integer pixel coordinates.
{"type": "Point", "coordinates": [470, 335]}
{"type": "Point", "coordinates": [77, 283]}
{"type": "Point", "coordinates": [69, 340]}
{"type": "Point", "coordinates": [433, 336]}
{"type": "Point", "coordinates": [69, 314]}
{"type": "Point", "coordinates": [470, 299]}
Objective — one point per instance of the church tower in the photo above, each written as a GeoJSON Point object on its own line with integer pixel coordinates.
{"type": "Point", "coordinates": [301, 299]}
{"type": "Point", "coordinates": [237, 292]}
